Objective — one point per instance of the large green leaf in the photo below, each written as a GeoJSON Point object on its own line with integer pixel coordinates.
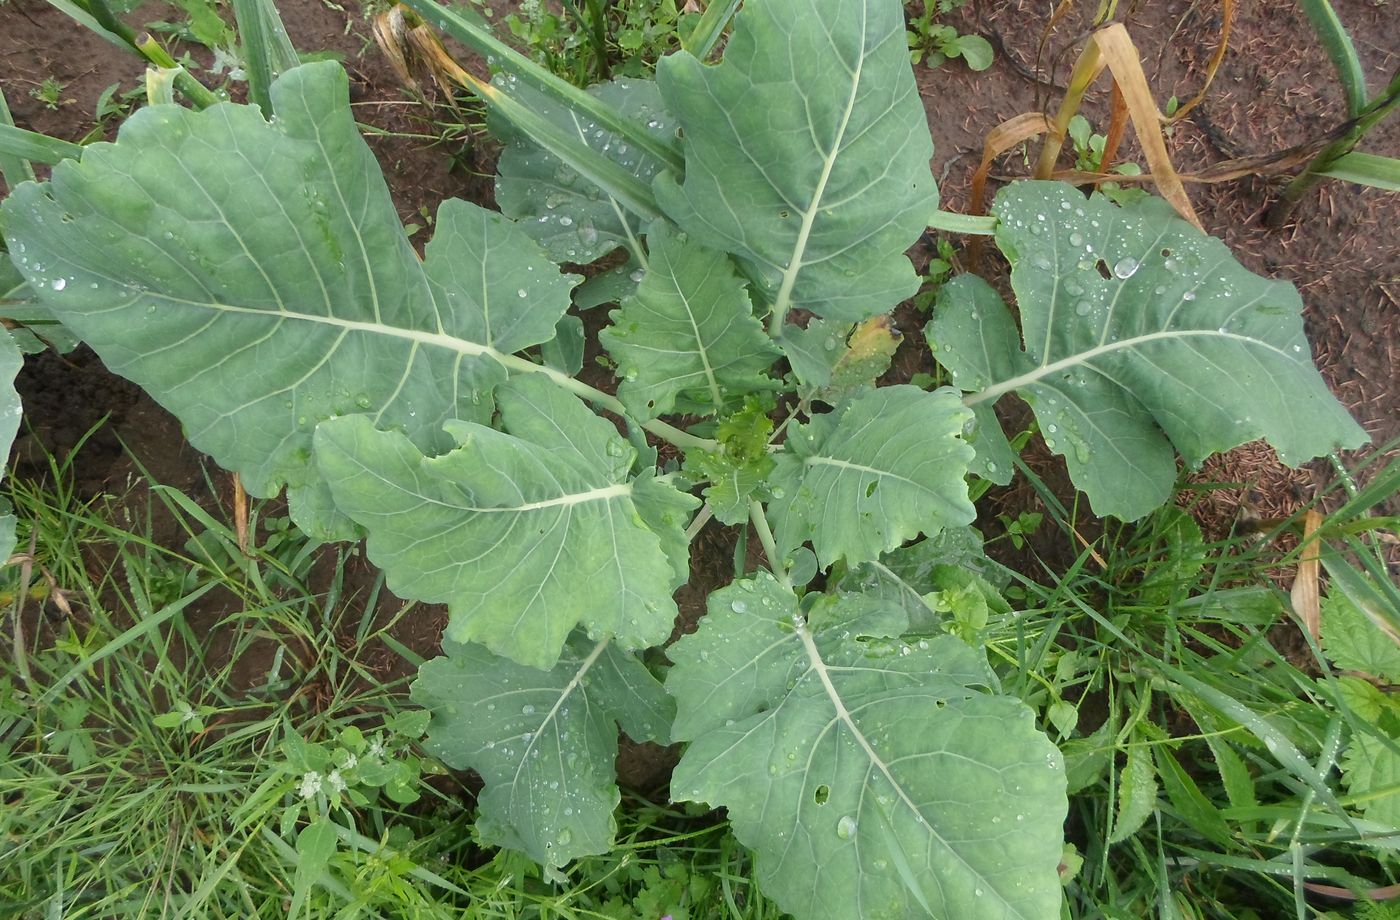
{"type": "Point", "coordinates": [544, 742]}
{"type": "Point", "coordinates": [689, 330]}
{"type": "Point", "coordinates": [1140, 333]}
{"type": "Point", "coordinates": [874, 778]}
{"type": "Point", "coordinates": [570, 216]}
{"type": "Point", "coordinates": [525, 533]}
{"type": "Point", "coordinates": [806, 153]}
{"type": "Point", "coordinates": [880, 470]}
{"type": "Point", "coordinates": [255, 279]}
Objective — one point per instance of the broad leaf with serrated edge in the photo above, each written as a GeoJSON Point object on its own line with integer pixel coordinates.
{"type": "Point", "coordinates": [1140, 334]}
{"type": "Point", "coordinates": [689, 330]}
{"type": "Point", "coordinates": [867, 773]}
{"type": "Point", "coordinates": [526, 532]}
{"type": "Point", "coordinates": [571, 217]}
{"type": "Point", "coordinates": [1371, 773]}
{"type": "Point", "coordinates": [255, 279]}
{"type": "Point", "coordinates": [806, 153]}
{"type": "Point", "coordinates": [1354, 642]}
{"type": "Point", "coordinates": [543, 742]}
{"type": "Point", "coordinates": [884, 468]}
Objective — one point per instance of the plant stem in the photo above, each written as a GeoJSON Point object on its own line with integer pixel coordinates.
{"type": "Point", "coordinates": [606, 401]}
{"type": "Point", "coordinates": [770, 547]}
{"type": "Point", "coordinates": [697, 525]}
{"type": "Point", "coordinates": [1311, 175]}
{"type": "Point", "coordinates": [1086, 69]}
{"type": "Point", "coordinates": [975, 224]}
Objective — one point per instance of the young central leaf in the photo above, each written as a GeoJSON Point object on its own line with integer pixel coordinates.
{"type": "Point", "coordinates": [525, 533]}
{"type": "Point", "coordinates": [543, 741]}
{"type": "Point", "coordinates": [884, 468]}
{"type": "Point", "coordinates": [806, 153]}
{"type": "Point", "coordinates": [1140, 334]}
{"type": "Point", "coordinates": [255, 279]}
{"type": "Point", "coordinates": [688, 330]}
{"type": "Point", "coordinates": [866, 772]}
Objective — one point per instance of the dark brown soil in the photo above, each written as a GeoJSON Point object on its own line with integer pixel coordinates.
{"type": "Point", "coordinates": [1275, 89]}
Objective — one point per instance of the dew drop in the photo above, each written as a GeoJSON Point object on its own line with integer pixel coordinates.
{"type": "Point", "coordinates": [1083, 308]}
{"type": "Point", "coordinates": [1189, 295]}
{"type": "Point", "coordinates": [739, 607]}
{"type": "Point", "coordinates": [1076, 238]}
{"type": "Point", "coordinates": [527, 710]}
{"type": "Point", "coordinates": [846, 827]}
{"type": "Point", "coordinates": [566, 221]}
{"type": "Point", "coordinates": [637, 275]}
{"type": "Point", "coordinates": [59, 284]}
{"type": "Point", "coordinates": [1125, 268]}
{"type": "Point", "coordinates": [522, 293]}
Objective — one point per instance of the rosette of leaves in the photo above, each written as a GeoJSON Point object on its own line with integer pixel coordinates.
{"type": "Point", "coordinates": [253, 275]}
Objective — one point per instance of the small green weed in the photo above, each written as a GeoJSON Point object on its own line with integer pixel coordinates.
{"type": "Point", "coordinates": [50, 93]}
{"type": "Point", "coordinates": [934, 43]}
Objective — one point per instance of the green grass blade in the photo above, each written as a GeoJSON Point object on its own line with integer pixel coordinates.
{"type": "Point", "coordinates": [608, 175]}
{"type": "Point", "coordinates": [267, 51]}
{"type": "Point", "coordinates": [701, 40]}
{"type": "Point", "coordinates": [499, 54]}
{"type": "Point", "coordinates": [1340, 49]}
{"type": "Point", "coordinates": [85, 19]}
{"type": "Point", "coordinates": [122, 641]}
{"type": "Point", "coordinates": [31, 145]}
{"type": "Point", "coordinates": [1278, 743]}
{"type": "Point", "coordinates": [14, 168]}
{"type": "Point", "coordinates": [1367, 169]}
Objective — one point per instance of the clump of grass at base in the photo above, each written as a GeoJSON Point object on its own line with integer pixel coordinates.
{"type": "Point", "coordinates": [141, 757]}
{"type": "Point", "coordinates": [1205, 735]}
{"type": "Point", "coordinates": [147, 770]}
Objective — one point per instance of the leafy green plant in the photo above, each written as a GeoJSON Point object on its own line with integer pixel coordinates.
{"type": "Point", "coordinates": [50, 93]}
{"type": "Point", "coordinates": [934, 42]}
{"type": "Point", "coordinates": [599, 41]}
{"type": "Point", "coordinates": [252, 274]}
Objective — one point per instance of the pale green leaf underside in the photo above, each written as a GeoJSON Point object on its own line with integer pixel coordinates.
{"type": "Point", "coordinates": [11, 360]}
{"type": "Point", "coordinates": [880, 470]}
{"type": "Point", "coordinates": [526, 532]}
{"type": "Point", "coordinates": [571, 217]}
{"type": "Point", "coordinates": [806, 153]}
{"type": "Point", "coordinates": [37, 329]}
{"type": "Point", "coordinates": [1140, 334]}
{"type": "Point", "coordinates": [861, 771]}
{"type": "Point", "coordinates": [544, 742]}
{"type": "Point", "coordinates": [689, 329]}
{"type": "Point", "coordinates": [255, 279]}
